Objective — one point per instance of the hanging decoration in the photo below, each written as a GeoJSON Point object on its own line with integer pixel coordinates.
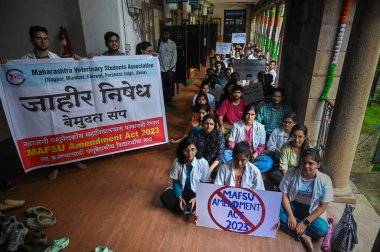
{"type": "Point", "coordinates": [279, 21]}
{"type": "Point", "coordinates": [271, 27]}
{"type": "Point", "coordinates": [337, 47]}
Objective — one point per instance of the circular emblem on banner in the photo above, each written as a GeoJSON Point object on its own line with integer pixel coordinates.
{"type": "Point", "coordinates": [15, 77]}
{"type": "Point", "coordinates": [238, 210]}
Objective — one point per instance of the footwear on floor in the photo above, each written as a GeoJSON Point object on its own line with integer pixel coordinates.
{"type": "Point", "coordinates": [10, 204]}
{"type": "Point", "coordinates": [17, 237]}
{"type": "Point", "coordinates": [102, 249]}
{"type": "Point", "coordinates": [38, 210]}
{"type": "Point", "coordinates": [6, 230]}
{"type": "Point", "coordinates": [41, 221]}
{"type": "Point", "coordinates": [58, 245]}
{"type": "Point", "coordinates": [6, 186]}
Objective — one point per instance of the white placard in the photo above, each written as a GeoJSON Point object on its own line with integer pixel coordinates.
{"type": "Point", "coordinates": [238, 38]}
{"type": "Point", "coordinates": [223, 48]}
{"type": "Point", "coordinates": [239, 210]}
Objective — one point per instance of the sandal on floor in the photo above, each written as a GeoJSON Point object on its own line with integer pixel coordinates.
{"type": "Point", "coordinates": [10, 204]}
{"type": "Point", "coordinates": [58, 245]}
{"type": "Point", "coordinates": [6, 186]}
{"type": "Point", "coordinates": [102, 249]}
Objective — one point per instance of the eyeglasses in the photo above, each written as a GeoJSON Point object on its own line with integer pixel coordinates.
{"type": "Point", "coordinates": [298, 137]}
{"type": "Point", "coordinates": [192, 150]}
{"type": "Point", "coordinates": [288, 122]}
{"type": "Point", "coordinates": [41, 38]}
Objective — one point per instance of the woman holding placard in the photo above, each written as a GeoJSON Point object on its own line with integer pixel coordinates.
{"type": "Point", "coordinates": [306, 193]}
{"type": "Point", "coordinates": [239, 172]}
{"type": "Point", "coordinates": [188, 169]}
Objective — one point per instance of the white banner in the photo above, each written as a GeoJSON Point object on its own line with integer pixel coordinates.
{"type": "Point", "coordinates": [239, 210]}
{"type": "Point", "coordinates": [61, 110]}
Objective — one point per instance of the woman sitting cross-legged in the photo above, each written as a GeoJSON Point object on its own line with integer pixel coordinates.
{"type": "Point", "coordinates": [306, 193]}
{"type": "Point", "coordinates": [290, 153]}
{"type": "Point", "coordinates": [280, 136]}
{"type": "Point", "coordinates": [211, 143]}
{"type": "Point", "coordinates": [252, 132]}
{"type": "Point", "coordinates": [188, 169]}
{"type": "Point", "coordinates": [195, 121]}
{"type": "Point", "coordinates": [239, 172]}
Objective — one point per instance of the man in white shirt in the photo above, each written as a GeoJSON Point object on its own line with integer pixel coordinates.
{"type": "Point", "coordinates": [272, 71]}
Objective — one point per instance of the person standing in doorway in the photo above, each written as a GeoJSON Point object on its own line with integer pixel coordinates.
{"type": "Point", "coordinates": [167, 51]}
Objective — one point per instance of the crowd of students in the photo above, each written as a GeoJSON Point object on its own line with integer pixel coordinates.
{"type": "Point", "coordinates": [229, 141]}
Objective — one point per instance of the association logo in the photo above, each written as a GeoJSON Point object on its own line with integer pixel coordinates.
{"type": "Point", "coordinates": [15, 77]}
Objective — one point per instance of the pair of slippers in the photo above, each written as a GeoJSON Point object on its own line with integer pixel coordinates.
{"type": "Point", "coordinates": [39, 217]}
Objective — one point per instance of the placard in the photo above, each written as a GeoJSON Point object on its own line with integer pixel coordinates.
{"type": "Point", "coordinates": [223, 48]}
{"type": "Point", "coordinates": [63, 110]}
{"type": "Point", "coordinates": [253, 92]}
{"type": "Point", "coordinates": [238, 210]}
{"type": "Point", "coordinates": [239, 38]}
{"type": "Point", "coordinates": [249, 68]}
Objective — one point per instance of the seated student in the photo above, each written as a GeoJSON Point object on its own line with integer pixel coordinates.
{"type": "Point", "coordinates": [239, 172]}
{"type": "Point", "coordinates": [209, 71]}
{"type": "Point", "coordinates": [145, 48]}
{"type": "Point", "coordinates": [290, 153]}
{"type": "Point", "coordinates": [205, 89]}
{"type": "Point", "coordinates": [306, 194]}
{"type": "Point", "coordinates": [267, 86]}
{"type": "Point", "coordinates": [211, 143]}
{"type": "Point", "coordinates": [212, 62]}
{"type": "Point", "coordinates": [188, 169]}
{"type": "Point", "coordinates": [202, 99]}
{"type": "Point", "coordinates": [224, 60]}
{"type": "Point", "coordinates": [272, 113]}
{"type": "Point", "coordinates": [215, 89]}
{"type": "Point", "coordinates": [195, 121]}
{"type": "Point", "coordinates": [227, 74]}
{"type": "Point", "coordinates": [219, 72]}
{"type": "Point", "coordinates": [231, 110]}
{"type": "Point", "coordinates": [227, 91]}
{"type": "Point", "coordinates": [253, 133]}
{"type": "Point", "coordinates": [280, 136]}
{"type": "Point", "coordinates": [218, 58]}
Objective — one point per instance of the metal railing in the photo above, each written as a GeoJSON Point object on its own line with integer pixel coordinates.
{"type": "Point", "coordinates": [325, 125]}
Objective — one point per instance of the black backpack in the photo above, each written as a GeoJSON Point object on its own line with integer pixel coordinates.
{"type": "Point", "coordinates": [345, 234]}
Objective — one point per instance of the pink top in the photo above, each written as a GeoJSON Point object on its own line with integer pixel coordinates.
{"type": "Point", "coordinates": [230, 112]}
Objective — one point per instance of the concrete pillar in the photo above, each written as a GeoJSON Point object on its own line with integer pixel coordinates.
{"type": "Point", "coordinates": [352, 96]}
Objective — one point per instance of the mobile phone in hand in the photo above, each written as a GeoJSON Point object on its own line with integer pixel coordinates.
{"type": "Point", "coordinates": [187, 209]}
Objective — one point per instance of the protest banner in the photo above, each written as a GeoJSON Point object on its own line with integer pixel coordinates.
{"type": "Point", "coordinates": [223, 48]}
{"type": "Point", "coordinates": [249, 68]}
{"type": "Point", "coordinates": [238, 38]}
{"type": "Point", "coordinates": [239, 210]}
{"type": "Point", "coordinates": [62, 110]}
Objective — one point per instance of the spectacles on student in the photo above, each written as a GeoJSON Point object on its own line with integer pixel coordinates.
{"type": "Point", "coordinates": [41, 38]}
{"type": "Point", "coordinates": [192, 150]}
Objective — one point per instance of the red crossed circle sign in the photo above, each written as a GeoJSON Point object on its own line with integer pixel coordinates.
{"type": "Point", "coordinates": [251, 227]}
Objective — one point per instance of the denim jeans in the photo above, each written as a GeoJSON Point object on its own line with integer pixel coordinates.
{"type": "Point", "coordinates": [317, 228]}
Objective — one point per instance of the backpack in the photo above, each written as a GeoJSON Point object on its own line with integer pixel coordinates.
{"type": "Point", "coordinates": [345, 233]}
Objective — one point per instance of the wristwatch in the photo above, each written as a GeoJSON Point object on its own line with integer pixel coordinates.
{"type": "Point", "coordinates": [306, 222]}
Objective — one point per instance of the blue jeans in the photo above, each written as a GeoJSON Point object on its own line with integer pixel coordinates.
{"type": "Point", "coordinates": [263, 162]}
{"type": "Point", "coordinates": [317, 228]}
{"type": "Point", "coordinates": [274, 156]}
